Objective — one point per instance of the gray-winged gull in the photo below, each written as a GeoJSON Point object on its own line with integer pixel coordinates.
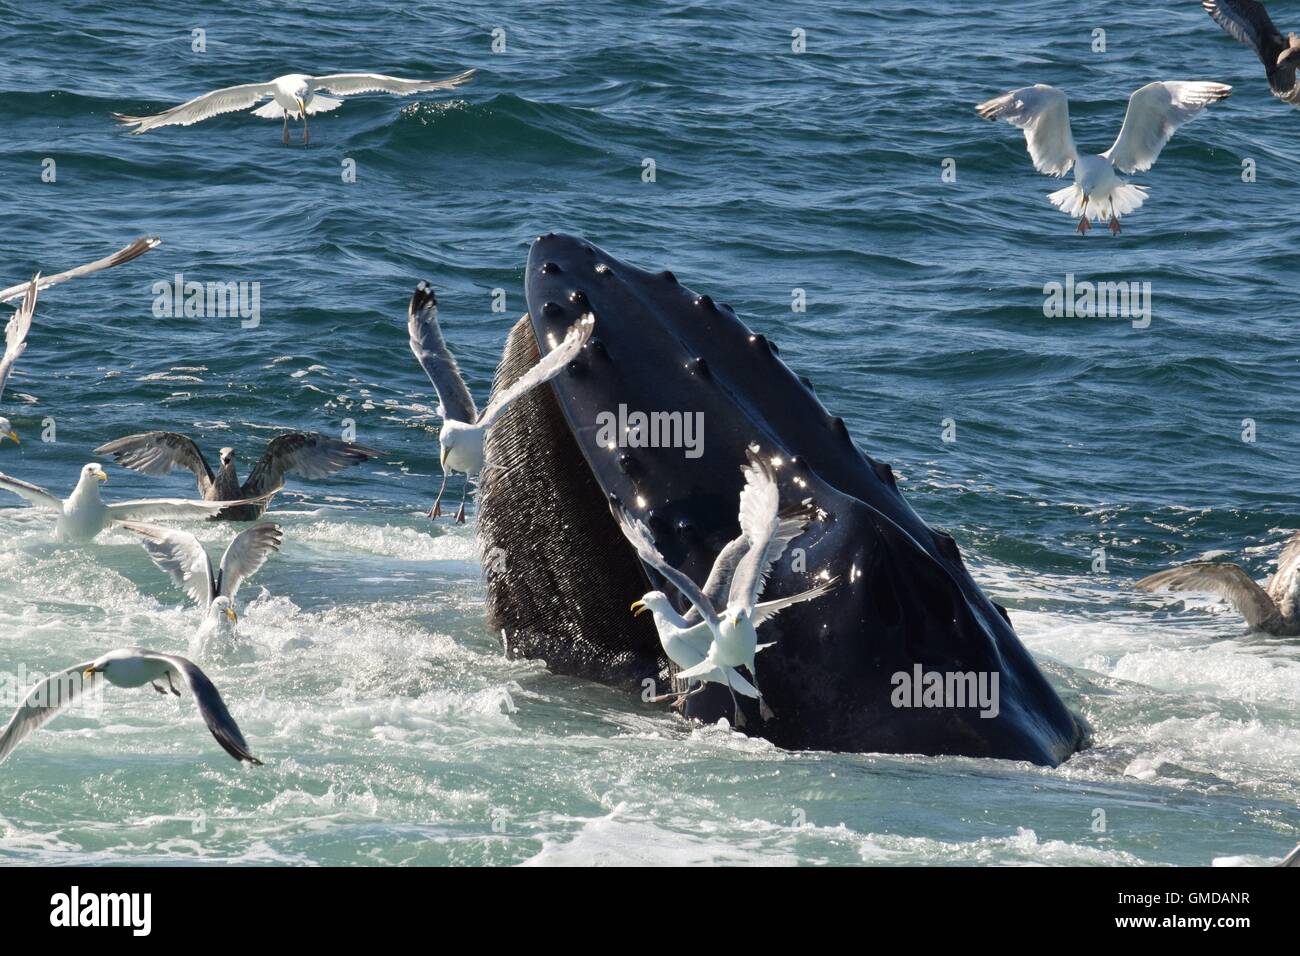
{"type": "Point", "coordinates": [464, 426]}
{"type": "Point", "coordinates": [293, 95]}
{"type": "Point", "coordinates": [1154, 112]}
{"type": "Point", "coordinates": [306, 454]}
{"type": "Point", "coordinates": [126, 667]}
{"type": "Point", "coordinates": [708, 644]}
{"type": "Point", "coordinates": [181, 556]}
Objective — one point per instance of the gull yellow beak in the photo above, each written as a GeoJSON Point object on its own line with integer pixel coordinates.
{"type": "Point", "coordinates": [14, 437]}
{"type": "Point", "coordinates": [89, 672]}
{"type": "Point", "coordinates": [302, 110]}
{"type": "Point", "coordinates": [102, 475]}
{"type": "Point", "coordinates": [230, 613]}
{"type": "Point", "coordinates": [637, 608]}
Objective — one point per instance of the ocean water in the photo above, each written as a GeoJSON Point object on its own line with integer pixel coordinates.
{"type": "Point", "coordinates": [393, 729]}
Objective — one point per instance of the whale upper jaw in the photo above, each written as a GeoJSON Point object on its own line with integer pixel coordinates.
{"type": "Point", "coordinates": [905, 598]}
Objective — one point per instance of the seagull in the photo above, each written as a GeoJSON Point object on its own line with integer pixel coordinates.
{"type": "Point", "coordinates": [708, 645]}
{"type": "Point", "coordinates": [1154, 112]}
{"type": "Point", "coordinates": [308, 454]}
{"type": "Point", "coordinates": [126, 667]}
{"type": "Point", "coordinates": [83, 514]}
{"type": "Point", "coordinates": [125, 254]}
{"type": "Point", "coordinates": [180, 556]}
{"type": "Point", "coordinates": [20, 323]}
{"type": "Point", "coordinates": [1273, 609]}
{"type": "Point", "coordinates": [1248, 22]}
{"type": "Point", "coordinates": [464, 427]}
{"type": "Point", "coordinates": [293, 95]}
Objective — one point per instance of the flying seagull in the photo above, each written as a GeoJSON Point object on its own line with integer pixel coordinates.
{"type": "Point", "coordinates": [293, 95]}
{"type": "Point", "coordinates": [83, 514]}
{"type": "Point", "coordinates": [708, 645]}
{"type": "Point", "coordinates": [125, 254]}
{"type": "Point", "coordinates": [20, 323]}
{"type": "Point", "coordinates": [180, 556]}
{"type": "Point", "coordinates": [1154, 112]}
{"type": "Point", "coordinates": [126, 667]}
{"type": "Point", "coordinates": [308, 454]}
{"type": "Point", "coordinates": [1273, 609]}
{"type": "Point", "coordinates": [464, 427]}
{"type": "Point", "coordinates": [1249, 23]}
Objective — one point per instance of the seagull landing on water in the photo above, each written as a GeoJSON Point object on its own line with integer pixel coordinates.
{"type": "Point", "coordinates": [1249, 23]}
{"type": "Point", "coordinates": [294, 95]}
{"type": "Point", "coordinates": [308, 454]}
{"type": "Point", "coordinates": [1154, 112]}
{"type": "Point", "coordinates": [83, 514]}
{"type": "Point", "coordinates": [1273, 609]}
{"type": "Point", "coordinates": [707, 645]}
{"type": "Point", "coordinates": [464, 427]}
{"type": "Point", "coordinates": [126, 667]}
{"type": "Point", "coordinates": [180, 556]}
{"type": "Point", "coordinates": [20, 323]}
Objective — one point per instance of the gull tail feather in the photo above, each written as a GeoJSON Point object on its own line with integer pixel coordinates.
{"type": "Point", "coordinates": [1120, 201]}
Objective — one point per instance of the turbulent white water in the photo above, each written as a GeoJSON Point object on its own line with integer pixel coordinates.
{"type": "Point", "coordinates": [395, 731]}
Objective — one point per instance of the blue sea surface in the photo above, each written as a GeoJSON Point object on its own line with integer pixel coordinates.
{"type": "Point", "coordinates": [1088, 451]}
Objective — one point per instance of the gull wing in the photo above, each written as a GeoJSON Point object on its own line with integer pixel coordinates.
{"type": "Point", "coordinates": [125, 254]}
{"type": "Point", "coordinates": [1226, 580]}
{"type": "Point", "coordinates": [180, 556]}
{"type": "Point", "coordinates": [549, 366]}
{"type": "Point", "coordinates": [346, 84]}
{"type": "Point", "coordinates": [767, 610]}
{"type": "Point", "coordinates": [769, 532]}
{"type": "Point", "coordinates": [20, 323]}
{"type": "Point", "coordinates": [143, 508]}
{"type": "Point", "coordinates": [638, 535]}
{"type": "Point", "coordinates": [37, 495]}
{"type": "Point", "coordinates": [430, 350]}
{"type": "Point", "coordinates": [245, 557]}
{"type": "Point", "coordinates": [719, 580]}
{"type": "Point", "coordinates": [225, 100]}
{"type": "Point", "coordinates": [308, 454]}
{"type": "Point", "coordinates": [211, 707]}
{"type": "Point", "coordinates": [42, 704]}
{"type": "Point", "coordinates": [157, 453]}
{"type": "Point", "coordinates": [1043, 112]}
{"type": "Point", "coordinates": [1154, 112]}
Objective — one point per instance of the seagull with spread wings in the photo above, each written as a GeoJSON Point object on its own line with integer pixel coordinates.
{"type": "Point", "coordinates": [181, 556]}
{"type": "Point", "coordinates": [295, 95]}
{"type": "Point", "coordinates": [1248, 22]}
{"type": "Point", "coordinates": [1154, 112]}
{"type": "Point", "coordinates": [1273, 609]}
{"type": "Point", "coordinates": [719, 632]}
{"type": "Point", "coordinates": [20, 323]}
{"type": "Point", "coordinates": [308, 454]}
{"type": "Point", "coordinates": [464, 426]}
{"type": "Point", "coordinates": [83, 514]}
{"type": "Point", "coordinates": [126, 667]}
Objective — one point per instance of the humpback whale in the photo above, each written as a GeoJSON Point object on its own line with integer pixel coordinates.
{"type": "Point", "coordinates": [560, 574]}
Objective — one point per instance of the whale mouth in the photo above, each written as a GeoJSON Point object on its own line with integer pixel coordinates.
{"type": "Point", "coordinates": [568, 451]}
